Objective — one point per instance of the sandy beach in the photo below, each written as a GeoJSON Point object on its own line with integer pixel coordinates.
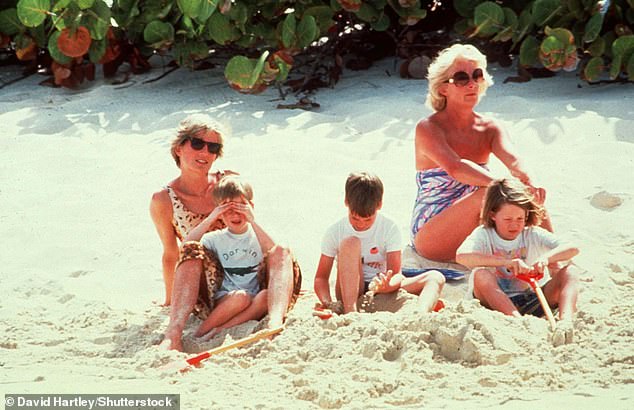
{"type": "Point", "coordinates": [81, 277]}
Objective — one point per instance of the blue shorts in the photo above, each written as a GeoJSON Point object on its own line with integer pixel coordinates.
{"type": "Point", "coordinates": [527, 303]}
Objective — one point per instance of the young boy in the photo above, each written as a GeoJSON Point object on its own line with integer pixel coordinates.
{"type": "Point", "coordinates": [241, 248]}
{"type": "Point", "coordinates": [367, 246]}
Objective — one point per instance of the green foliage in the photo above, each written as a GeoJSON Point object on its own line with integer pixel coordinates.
{"type": "Point", "coordinates": [32, 13]}
{"type": "Point", "coordinates": [558, 34]}
{"type": "Point", "coordinates": [594, 36]}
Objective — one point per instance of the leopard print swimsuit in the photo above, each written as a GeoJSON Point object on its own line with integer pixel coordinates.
{"type": "Point", "coordinates": [183, 219]}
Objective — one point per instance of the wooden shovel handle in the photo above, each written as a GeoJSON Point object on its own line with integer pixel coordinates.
{"type": "Point", "coordinates": [238, 343]}
{"type": "Point", "coordinates": [545, 305]}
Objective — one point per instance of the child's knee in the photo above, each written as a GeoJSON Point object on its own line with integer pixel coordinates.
{"type": "Point", "coordinates": [241, 298]}
{"type": "Point", "coordinates": [568, 275]}
{"type": "Point", "coordinates": [350, 245]}
{"type": "Point", "coordinates": [482, 278]}
{"type": "Point", "coordinates": [436, 278]}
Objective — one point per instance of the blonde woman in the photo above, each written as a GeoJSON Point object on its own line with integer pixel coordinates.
{"type": "Point", "coordinates": [187, 200]}
{"type": "Point", "coordinates": [453, 146]}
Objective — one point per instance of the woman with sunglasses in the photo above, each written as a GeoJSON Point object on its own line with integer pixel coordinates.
{"type": "Point", "coordinates": [187, 200]}
{"type": "Point", "coordinates": [453, 146]}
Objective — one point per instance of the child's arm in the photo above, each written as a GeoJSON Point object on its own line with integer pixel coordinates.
{"type": "Point", "coordinates": [558, 254]}
{"type": "Point", "coordinates": [474, 259]}
{"type": "Point", "coordinates": [390, 281]}
{"type": "Point", "coordinates": [203, 227]}
{"type": "Point", "coordinates": [322, 276]}
{"type": "Point", "coordinates": [265, 241]}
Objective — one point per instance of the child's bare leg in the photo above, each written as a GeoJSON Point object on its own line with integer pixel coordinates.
{"type": "Point", "coordinates": [563, 290]}
{"type": "Point", "coordinates": [428, 286]}
{"type": "Point", "coordinates": [487, 290]}
{"type": "Point", "coordinates": [256, 311]}
{"type": "Point", "coordinates": [227, 307]}
{"type": "Point", "coordinates": [184, 295]}
{"type": "Point", "coordinates": [349, 273]}
{"type": "Point", "coordinates": [280, 286]}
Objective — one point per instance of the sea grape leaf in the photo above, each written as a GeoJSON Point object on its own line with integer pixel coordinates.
{"type": "Point", "coordinates": [98, 21]}
{"type": "Point", "coordinates": [306, 31]}
{"type": "Point", "coordinates": [593, 69]}
{"type": "Point", "coordinates": [32, 13]}
{"type": "Point", "coordinates": [158, 33]}
{"type": "Point", "coordinates": [54, 50]}
{"type": "Point", "coordinates": [593, 28]}
{"type": "Point", "coordinates": [488, 18]}
{"type": "Point", "coordinates": [544, 10]}
{"type": "Point", "coordinates": [288, 30]}
{"type": "Point", "coordinates": [10, 24]}
{"type": "Point", "coordinates": [220, 29]}
{"type": "Point", "coordinates": [74, 43]}
{"type": "Point", "coordinates": [529, 51]}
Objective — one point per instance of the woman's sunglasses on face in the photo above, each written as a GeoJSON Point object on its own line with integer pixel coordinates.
{"type": "Point", "coordinates": [198, 144]}
{"type": "Point", "coordinates": [461, 78]}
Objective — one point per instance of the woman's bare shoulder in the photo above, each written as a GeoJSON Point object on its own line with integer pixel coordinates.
{"type": "Point", "coordinates": [488, 122]}
{"type": "Point", "coordinates": [430, 126]}
{"type": "Point", "coordinates": [161, 202]}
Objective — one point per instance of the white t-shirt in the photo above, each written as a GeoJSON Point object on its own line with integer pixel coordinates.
{"type": "Point", "coordinates": [528, 246]}
{"type": "Point", "coordinates": [240, 256]}
{"type": "Point", "coordinates": [382, 237]}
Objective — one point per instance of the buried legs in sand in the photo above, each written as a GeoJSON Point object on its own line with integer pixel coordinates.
{"type": "Point", "coordinates": [185, 294]}
{"type": "Point", "coordinates": [350, 284]}
{"type": "Point", "coordinates": [561, 291]}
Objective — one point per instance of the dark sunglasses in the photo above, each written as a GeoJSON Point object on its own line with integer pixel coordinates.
{"type": "Point", "coordinates": [198, 144]}
{"type": "Point", "coordinates": [461, 78]}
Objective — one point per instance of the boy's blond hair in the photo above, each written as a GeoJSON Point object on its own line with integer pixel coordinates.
{"type": "Point", "coordinates": [510, 191]}
{"type": "Point", "coordinates": [364, 193]}
{"type": "Point", "coordinates": [232, 186]}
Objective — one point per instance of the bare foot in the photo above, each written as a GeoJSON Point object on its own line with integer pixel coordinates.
{"type": "Point", "coordinates": [172, 341]}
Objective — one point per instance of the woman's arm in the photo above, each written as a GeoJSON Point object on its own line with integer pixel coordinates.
{"type": "Point", "coordinates": [161, 213]}
{"type": "Point", "coordinates": [322, 276]}
{"type": "Point", "coordinates": [431, 143]}
{"type": "Point", "coordinates": [504, 150]}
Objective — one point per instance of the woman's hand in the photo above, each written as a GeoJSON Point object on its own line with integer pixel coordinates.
{"type": "Point", "coordinates": [539, 194]}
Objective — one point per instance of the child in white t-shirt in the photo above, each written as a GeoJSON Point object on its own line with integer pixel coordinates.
{"type": "Point", "coordinates": [367, 246]}
{"type": "Point", "coordinates": [243, 249]}
{"type": "Point", "coordinates": [510, 242]}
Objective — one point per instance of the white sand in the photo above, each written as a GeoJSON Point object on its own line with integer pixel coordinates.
{"type": "Point", "coordinates": [81, 261]}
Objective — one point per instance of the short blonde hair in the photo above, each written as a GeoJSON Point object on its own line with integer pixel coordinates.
{"type": "Point", "coordinates": [510, 191]}
{"type": "Point", "coordinates": [191, 126]}
{"type": "Point", "coordinates": [438, 72]}
{"type": "Point", "coordinates": [232, 186]}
